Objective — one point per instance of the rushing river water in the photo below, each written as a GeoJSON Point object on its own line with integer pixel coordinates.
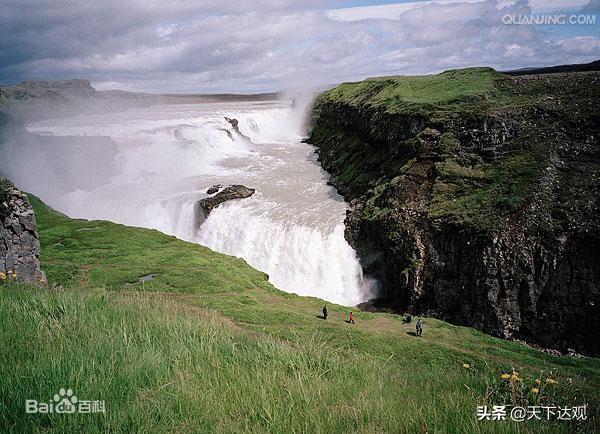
{"type": "Point", "coordinates": [149, 166]}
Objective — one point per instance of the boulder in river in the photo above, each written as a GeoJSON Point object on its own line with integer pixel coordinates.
{"type": "Point", "coordinates": [230, 193]}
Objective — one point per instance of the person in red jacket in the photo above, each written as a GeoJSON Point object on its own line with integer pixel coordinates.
{"type": "Point", "coordinates": [351, 319]}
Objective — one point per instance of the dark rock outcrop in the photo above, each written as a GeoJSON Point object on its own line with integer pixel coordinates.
{"type": "Point", "coordinates": [236, 129]}
{"type": "Point", "coordinates": [483, 211]}
{"type": "Point", "coordinates": [232, 192]}
{"type": "Point", "coordinates": [19, 241]}
{"type": "Point", "coordinates": [214, 189]}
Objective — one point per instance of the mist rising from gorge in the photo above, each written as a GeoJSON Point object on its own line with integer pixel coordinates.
{"type": "Point", "coordinates": [148, 166]}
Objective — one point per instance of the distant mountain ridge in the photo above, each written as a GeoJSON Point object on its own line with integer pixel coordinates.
{"type": "Point", "coordinates": [578, 67]}
{"type": "Point", "coordinates": [42, 99]}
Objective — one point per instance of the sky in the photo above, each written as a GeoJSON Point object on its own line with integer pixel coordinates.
{"type": "Point", "coordinates": [209, 46]}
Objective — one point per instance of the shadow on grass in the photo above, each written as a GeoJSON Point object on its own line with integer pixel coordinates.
{"type": "Point", "coordinates": [321, 317]}
{"type": "Point", "coordinates": [412, 334]}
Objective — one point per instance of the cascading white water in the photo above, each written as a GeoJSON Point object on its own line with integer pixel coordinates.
{"type": "Point", "coordinates": [153, 164]}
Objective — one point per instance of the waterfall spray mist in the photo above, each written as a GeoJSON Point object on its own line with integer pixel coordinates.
{"type": "Point", "coordinates": [149, 166]}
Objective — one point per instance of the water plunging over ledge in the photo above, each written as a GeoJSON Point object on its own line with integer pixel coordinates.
{"type": "Point", "coordinates": [149, 166]}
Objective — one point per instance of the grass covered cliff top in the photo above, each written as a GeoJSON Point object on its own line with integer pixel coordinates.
{"type": "Point", "coordinates": [457, 90]}
{"type": "Point", "coordinates": [207, 344]}
{"type": "Point", "coordinates": [408, 93]}
{"type": "Point", "coordinates": [495, 141]}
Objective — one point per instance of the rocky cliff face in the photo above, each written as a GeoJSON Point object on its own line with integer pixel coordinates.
{"type": "Point", "coordinates": [475, 197]}
{"type": "Point", "coordinates": [19, 241]}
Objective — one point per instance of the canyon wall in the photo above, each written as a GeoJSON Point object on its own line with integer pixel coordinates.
{"type": "Point", "coordinates": [474, 197]}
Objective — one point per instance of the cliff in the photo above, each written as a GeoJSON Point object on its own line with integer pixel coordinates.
{"type": "Point", "coordinates": [474, 197]}
{"type": "Point", "coordinates": [19, 241]}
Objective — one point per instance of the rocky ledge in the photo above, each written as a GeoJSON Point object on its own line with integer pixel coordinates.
{"type": "Point", "coordinates": [19, 241]}
{"type": "Point", "coordinates": [230, 193]}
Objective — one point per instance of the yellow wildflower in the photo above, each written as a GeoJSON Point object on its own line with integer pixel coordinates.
{"type": "Point", "coordinates": [466, 365]}
{"type": "Point", "coordinates": [538, 381]}
{"type": "Point", "coordinates": [535, 390]}
{"type": "Point", "coordinates": [505, 376]}
{"type": "Point", "coordinates": [551, 381]}
{"type": "Point", "coordinates": [515, 377]}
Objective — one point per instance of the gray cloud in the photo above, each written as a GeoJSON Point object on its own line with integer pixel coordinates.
{"type": "Point", "coordinates": [210, 46]}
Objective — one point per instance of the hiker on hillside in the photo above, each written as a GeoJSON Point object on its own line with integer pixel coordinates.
{"type": "Point", "coordinates": [351, 321]}
{"type": "Point", "coordinates": [419, 327]}
{"type": "Point", "coordinates": [325, 312]}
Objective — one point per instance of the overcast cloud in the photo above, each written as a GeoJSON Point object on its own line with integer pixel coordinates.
{"type": "Point", "coordinates": [250, 46]}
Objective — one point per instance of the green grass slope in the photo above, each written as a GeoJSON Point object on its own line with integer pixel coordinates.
{"type": "Point", "coordinates": [209, 345]}
{"type": "Point", "coordinates": [452, 89]}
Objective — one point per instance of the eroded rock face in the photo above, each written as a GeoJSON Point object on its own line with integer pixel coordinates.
{"type": "Point", "coordinates": [232, 192]}
{"type": "Point", "coordinates": [488, 218]}
{"type": "Point", "coordinates": [19, 241]}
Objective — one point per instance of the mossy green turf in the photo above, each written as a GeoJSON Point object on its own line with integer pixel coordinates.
{"type": "Point", "coordinates": [451, 93]}
{"type": "Point", "coordinates": [209, 345]}
{"type": "Point", "coordinates": [463, 88]}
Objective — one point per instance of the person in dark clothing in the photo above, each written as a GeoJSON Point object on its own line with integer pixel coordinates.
{"type": "Point", "coordinates": [351, 321]}
{"type": "Point", "coordinates": [419, 327]}
{"type": "Point", "coordinates": [325, 312]}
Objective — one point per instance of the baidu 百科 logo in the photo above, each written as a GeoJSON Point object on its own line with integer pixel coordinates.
{"type": "Point", "coordinates": [64, 402]}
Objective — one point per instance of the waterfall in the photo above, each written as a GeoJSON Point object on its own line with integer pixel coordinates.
{"type": "Point", "coordinates": [149, 166]}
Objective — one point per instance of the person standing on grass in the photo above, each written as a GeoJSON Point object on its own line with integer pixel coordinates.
{"type": "Point", "coordinates": [325, 312]}
{"type": "Point", "coordinates": [419, 327]}
{"type": "Point", "coordinates": [351, 321]}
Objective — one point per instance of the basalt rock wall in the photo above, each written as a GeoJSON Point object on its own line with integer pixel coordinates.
{"type": "Point", "coordinates": [484, 209]}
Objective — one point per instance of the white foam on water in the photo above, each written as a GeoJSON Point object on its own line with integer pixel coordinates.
{"type": "Point", "coordinates": [158, 162]}
{"type": "Point", "coordinates": [298, 258]}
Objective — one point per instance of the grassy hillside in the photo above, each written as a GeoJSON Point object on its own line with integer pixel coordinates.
{"type": "Point", "coordinates": [209, 345]}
